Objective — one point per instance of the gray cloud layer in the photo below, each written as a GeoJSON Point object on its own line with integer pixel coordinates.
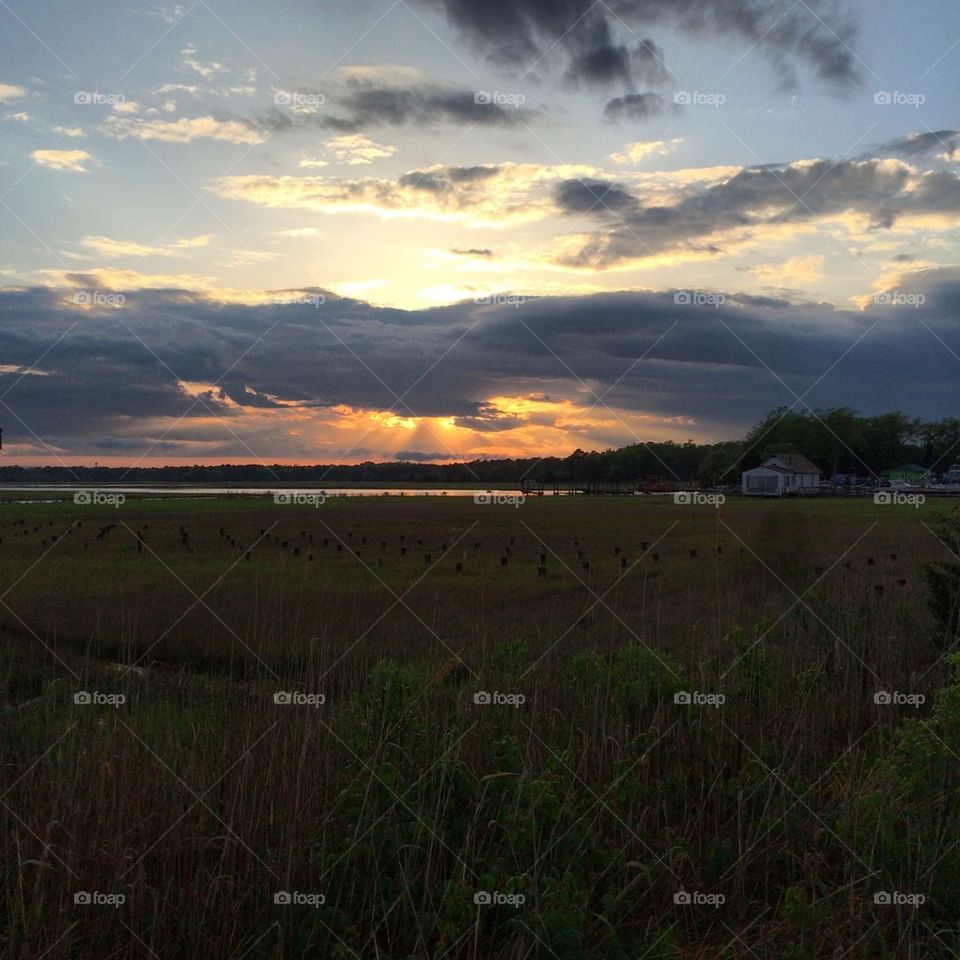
{"type": "Point", "coordinates": [360, 104]}
{"type": "Point", "coordinates": [882, 190]}
{"type": "Point", "coordinates": [720, 366]}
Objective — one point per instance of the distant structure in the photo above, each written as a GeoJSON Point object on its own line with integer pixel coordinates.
{"type": "Point", "coordinates": [786, 474]}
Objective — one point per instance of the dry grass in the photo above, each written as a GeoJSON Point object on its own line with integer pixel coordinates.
{"type": "Point", "coordinates": [400, 798]}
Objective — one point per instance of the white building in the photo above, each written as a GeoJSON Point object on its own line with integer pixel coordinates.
{"type": "Point", "coordinates": [782, 475]}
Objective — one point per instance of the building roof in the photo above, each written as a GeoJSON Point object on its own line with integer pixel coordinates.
{"type": "Point", "coordinates": [768, 468]}
{"type": "Point", "coordinates": [793, 463]}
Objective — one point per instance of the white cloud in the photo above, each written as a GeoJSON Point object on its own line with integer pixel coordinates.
{"type": "Point", "coordinates": [179, 88]}
{"type": "Point", "coordinates": [11, 91]}
{"type": "Point", "coordinates": [640, 150]}
{"type": "Point", "coordinates": [108, 247]}
{"type": "Point", "coordinates": [17, 117]}
{"type": "Point", "coordinates": [69, 131]}
{"type": "Point", "coordinates": [794, 270]}
{"type": "Point", "coordinates": [183, 130]}
{"type": "Point", "coordinates": [355, 148]}
{"type": "Point", "coordinates": [72, 160]}
{"type": "Point", "coordinates": [206, 70]}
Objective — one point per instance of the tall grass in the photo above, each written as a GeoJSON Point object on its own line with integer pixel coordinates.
{"type": "Point", "coordinates": [598, 800]}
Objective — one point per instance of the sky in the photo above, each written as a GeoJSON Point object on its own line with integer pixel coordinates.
{"type": "Point", "coordinates": [453, 229]}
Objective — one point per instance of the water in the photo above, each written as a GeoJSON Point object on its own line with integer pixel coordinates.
{"type": "Point", "coordinates": [202, 491]}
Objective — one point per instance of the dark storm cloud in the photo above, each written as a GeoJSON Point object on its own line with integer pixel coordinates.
{"type": "Point", "coordinates": [369, 104]}
{"type": "Point", "coordinates": [113, 379]}
{"type": "Point", "coordinates": [360, 104]}
{"type": "Point", "coordinates": [755, 197]}
{"type": "Point", "coordinates": [635, 106]}
{"type": "Point", "coordinates": [598, 40]}
{"type": "Point", "coordinates": [584, 196]}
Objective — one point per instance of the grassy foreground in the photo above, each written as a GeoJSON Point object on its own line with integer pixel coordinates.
{"type": "Point", "coordinates": [283, 754]}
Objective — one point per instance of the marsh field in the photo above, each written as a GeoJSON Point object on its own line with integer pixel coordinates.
{"type": "Point", "coordinates": [612, 728]}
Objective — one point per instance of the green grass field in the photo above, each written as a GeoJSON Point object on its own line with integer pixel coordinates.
{"type": "Point", "coordinates": [571, 817]}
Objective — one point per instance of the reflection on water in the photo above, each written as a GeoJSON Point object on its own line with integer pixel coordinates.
{"type": "Point", "coordinates": [201, 491]}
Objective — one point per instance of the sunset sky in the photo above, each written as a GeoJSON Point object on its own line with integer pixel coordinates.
{"type": "Point", "coordinates": [449, 229]}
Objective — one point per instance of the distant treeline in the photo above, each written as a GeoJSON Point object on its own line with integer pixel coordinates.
{"type": "Point", "coordinates": [836, 440]}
